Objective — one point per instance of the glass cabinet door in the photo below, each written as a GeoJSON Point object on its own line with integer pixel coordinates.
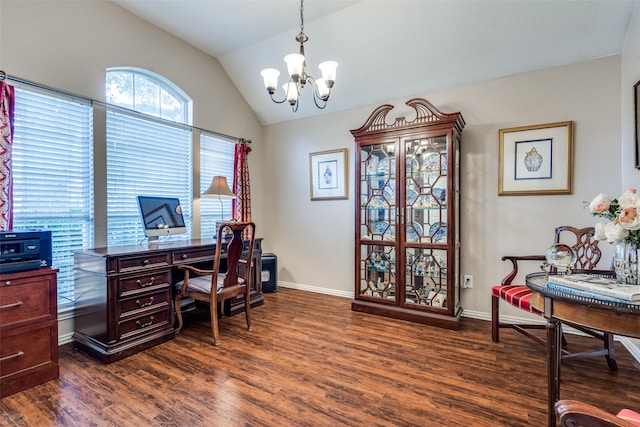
{"type": "Point", "coordinates": [425, 206]}
{"type": "Point", "coordinates": [378, 203]}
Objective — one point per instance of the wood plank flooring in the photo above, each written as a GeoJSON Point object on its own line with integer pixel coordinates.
{"type": "Point", "coordinates": [311, 361]}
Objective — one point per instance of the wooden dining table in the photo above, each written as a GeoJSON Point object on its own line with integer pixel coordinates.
{"type": "Point", "coordinates": [600, 315]}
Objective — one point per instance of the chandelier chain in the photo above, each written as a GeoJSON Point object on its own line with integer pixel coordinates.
{"type": "Point", "coordinates": [301, 16]}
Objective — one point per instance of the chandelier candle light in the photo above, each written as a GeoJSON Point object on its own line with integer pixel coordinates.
{"type": "Point", "coordinates": [623, 229]}
{"type": "Point", "coordinates": [298, 77]}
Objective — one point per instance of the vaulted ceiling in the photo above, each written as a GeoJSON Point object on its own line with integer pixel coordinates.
{"type": "Point", "coordinates": [390, 48]}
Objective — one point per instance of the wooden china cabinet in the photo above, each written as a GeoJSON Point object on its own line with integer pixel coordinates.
{"type": "Point", "coordinates": [407, 259]}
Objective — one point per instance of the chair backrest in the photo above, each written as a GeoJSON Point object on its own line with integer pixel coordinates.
{"type": "Point", "coordinates": [573, 413]}
{"type": "Point", "coordinates": [237, 239]}
{"type": "Point", "coordinates": [583, 243]}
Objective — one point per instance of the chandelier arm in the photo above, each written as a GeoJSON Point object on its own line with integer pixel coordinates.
{"type": "Point", "coordinates": [315, 100]}
{"type": "Point", "coordinates": [316, 95]}
{"type": "Point", "coordinates": [276, 101]}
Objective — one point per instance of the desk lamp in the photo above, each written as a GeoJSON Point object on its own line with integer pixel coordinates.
{"type": "Point", "coordinates": [220, 189]}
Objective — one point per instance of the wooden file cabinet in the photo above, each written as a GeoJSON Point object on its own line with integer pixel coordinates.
{"type": "Point", "coordinates": [124, 294]}
{"type": "Point", "coordinates": [28, 329]}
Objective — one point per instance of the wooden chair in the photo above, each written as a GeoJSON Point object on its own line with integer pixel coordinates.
{"type": "Point", "coordinates": [215, 286]}
{"type": "Point", "coordinates": [572, 413]}
{"type": "Point", "coordinates": [585, 246]}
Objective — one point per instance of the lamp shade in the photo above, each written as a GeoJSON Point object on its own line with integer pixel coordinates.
{"type": "Point", "coordinates": [219, 188]}
{"type": "Point", "coordinates": [328, 69]}
{"type": "Point", "coordinates": [295, 65]}
{"type": "Point", "coordinates": [291, 90]}
{"type": "Point", "coordinates": [270, 76]}
{"type": "Point", "coordinates": [323, 89]}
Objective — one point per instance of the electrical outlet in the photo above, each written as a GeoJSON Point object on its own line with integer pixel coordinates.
{"type": "Point", "coordinates": [468, 281]}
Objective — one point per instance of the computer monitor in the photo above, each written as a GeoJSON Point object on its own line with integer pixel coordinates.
{"type": "Point", "coordinates": [161, 216]}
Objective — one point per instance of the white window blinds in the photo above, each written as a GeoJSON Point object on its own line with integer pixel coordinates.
{"type": "Point", "coordinates": [216, 158]}
{"type": "Point", "coordinates": [147, 157]}
{"type": "Point", "coordinates": [53, 176]}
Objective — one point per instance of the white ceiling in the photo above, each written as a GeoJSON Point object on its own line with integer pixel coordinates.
{"type": "Point", "coordinates": [390, 49]}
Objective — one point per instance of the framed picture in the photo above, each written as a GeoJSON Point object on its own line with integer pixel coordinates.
{"type": "Point", "coordinates": [636, 100]}
{"type": "Point", "coordinates": [535, 159]}
{"type": "Point", "coordinates": [328, 174]}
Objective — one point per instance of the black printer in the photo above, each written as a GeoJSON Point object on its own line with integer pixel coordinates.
{"type": "Point", "coordinates": [22, 250]}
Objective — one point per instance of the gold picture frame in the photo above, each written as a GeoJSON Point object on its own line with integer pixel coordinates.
{"type": "Point", "coordinates": [328, 174]}
{"type": "Point", "coordinates": [535, 159]}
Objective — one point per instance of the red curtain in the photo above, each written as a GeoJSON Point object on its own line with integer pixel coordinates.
{"type": "Point", "coordinates": [7, 105]}
{"type": "Point", "coordinates": [241, 186]}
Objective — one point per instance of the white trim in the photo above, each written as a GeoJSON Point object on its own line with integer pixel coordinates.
{"type": "Point", "coordinates": [66, 325]}
{"type": "Point", "coordinates": [315, 289]}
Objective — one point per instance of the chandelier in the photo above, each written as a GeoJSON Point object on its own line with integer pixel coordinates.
{"type": "Point", "coordinates": [298, 77]}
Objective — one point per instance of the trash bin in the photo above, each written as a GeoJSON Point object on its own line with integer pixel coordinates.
{"type": "Point", "coordinates": [269, 272]}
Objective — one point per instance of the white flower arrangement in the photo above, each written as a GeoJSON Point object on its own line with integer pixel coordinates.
{"type": "Point", "coordinates": [623, 215]}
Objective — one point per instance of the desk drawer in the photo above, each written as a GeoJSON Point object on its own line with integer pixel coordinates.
{"type": "Point", "coordinates": [187, 256]}
{"type": "Point", "coordinates": [125, 264]}
{"type": "Point", "coordinates": [26, 301]}
{"type": "Point", "coordinates": [149, 302]}
{"type": "Point", "coordinates": [145, 324]}
{"type": "Point", "coordinates": [144, 283]}
{"type": "Point", "coordinates": [26, 349]}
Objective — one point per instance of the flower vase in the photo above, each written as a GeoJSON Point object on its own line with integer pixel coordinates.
{"type": "Point", "coordinates": [625, 263]}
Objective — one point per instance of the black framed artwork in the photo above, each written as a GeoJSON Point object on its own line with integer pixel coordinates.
{"type": "Point", "coordinates": [636, 100]}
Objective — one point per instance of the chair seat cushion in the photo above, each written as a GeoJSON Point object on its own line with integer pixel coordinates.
{"type": "Point", "coordinates": [516, 295]}
{"type": "Point", "coordinates": [202, 284]}
{"type": "Point", "coordinates": [629, 415]}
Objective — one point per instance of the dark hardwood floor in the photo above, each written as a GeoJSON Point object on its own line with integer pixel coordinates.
{"type": "Point", "coordinates": [311, 361]}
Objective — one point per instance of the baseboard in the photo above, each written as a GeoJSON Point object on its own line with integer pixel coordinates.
{"type": "Point", "coordinates": [633, 346]}
{"type": "Point", "coordinates": [66, 326]}
{"type": "Point", "coordinates": [315, 289]}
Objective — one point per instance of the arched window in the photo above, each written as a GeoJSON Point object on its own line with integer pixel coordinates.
{"type": "Point", "coordinates": [149, 154]}
{"type": "Point", "coordinates": [149, 93]}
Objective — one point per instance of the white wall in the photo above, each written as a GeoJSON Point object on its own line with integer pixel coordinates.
{"type": "Point", "coordinates": [314, 241]}
{"type": "Point", "coordinates": [630, 76]}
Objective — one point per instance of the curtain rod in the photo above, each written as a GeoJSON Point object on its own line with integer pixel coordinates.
{"type": "Point", "coordinates": [4, 76]}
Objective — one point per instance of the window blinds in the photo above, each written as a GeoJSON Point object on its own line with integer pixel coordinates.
{"type": "Point", "coordinates": [53, 176]}
{"type": "Point", "coordinates": [149, 158]}
{"type": "Point", "coordinates": [216, 158]}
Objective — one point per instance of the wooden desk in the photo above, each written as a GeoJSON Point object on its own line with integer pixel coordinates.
{"type": "Point", "coordinates": [557, 307]}
{"type": "Point", "coordinates": [124, 294]}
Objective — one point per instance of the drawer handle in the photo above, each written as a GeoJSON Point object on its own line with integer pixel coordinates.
{"type": "Point", "coordinates": [144, 285]}
{"type": "Point", "coordinates": [145, 304]}
{"type": "Point", "coordinates": [145, 262]}
{"type": "Point", "coordinates": [11, 356]}
{"type": "Point", "coordinates": [15, 304]}
{"type": "Point", "coordinates": [184, 256]}
{"type": "Point", "coordinates": [144, 325]}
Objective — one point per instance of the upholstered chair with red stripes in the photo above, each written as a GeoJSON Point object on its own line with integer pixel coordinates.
{"type": "Point", "coordinates": [588, 254]}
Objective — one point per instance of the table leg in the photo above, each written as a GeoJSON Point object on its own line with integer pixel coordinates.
{"type": "Point", "coordinates": [554, 354]}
